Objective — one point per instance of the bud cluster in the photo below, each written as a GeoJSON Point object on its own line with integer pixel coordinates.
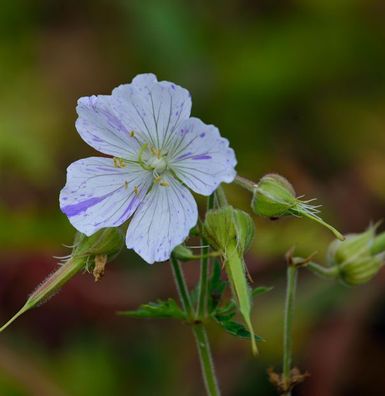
{"type": "Point", "coordinates": [358, 258]}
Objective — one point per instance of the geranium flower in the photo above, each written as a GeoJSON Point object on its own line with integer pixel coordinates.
{"type": "Point", "coordinates": [158, 153]}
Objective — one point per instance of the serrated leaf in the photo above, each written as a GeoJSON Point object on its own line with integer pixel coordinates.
{"type": "Point", "coordinates": [158, 309]}
{"type": "Point", "coordinates": [235, 329]}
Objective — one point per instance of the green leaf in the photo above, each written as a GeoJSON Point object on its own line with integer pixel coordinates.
{"type": "Point", "coordinates": [158, 309]}
{"type": "Point", "coordinates": [235, 267]}
{"type": "Point", "coordinates": [228, 310]}
{"type": "Point", "coordinates": [261, 290]}
{"type": "Point", "coordinates": [235, 329]}
{"type": "Point", "coordinates": [216, 287]}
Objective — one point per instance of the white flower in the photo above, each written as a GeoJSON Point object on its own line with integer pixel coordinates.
{"type": "Point", "coordinates": [158, 151]}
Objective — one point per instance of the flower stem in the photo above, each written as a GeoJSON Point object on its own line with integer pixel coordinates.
{"type": "Point", "coordinates": [245, 183]}
{"type": "Point", "coordinates": [182, 287]}
{"type": "Point", "coordinates": [207, 366]}
{"type": "Point", "coordinates": [220, 197]}
{"type": "Point", "coordinates": [288, 320]}
{"type": "Point", "coordinates": [204, 280]}
{"type": "Point", "coordinates": [324, 272]}
{"type": "Point", "coordinates": [199, 331]}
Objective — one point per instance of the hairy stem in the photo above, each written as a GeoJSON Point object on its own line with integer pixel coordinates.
{"type": "Point", "coordinates": [245, 183]}
{"type": "Point", "coordinates": [182, 287]}
{"type": "Point", "coordinates": [288, 320]}
{"type": "Point", "coordinates": [204, 275]}
{"type": "Point", "coordinates": [207, 366]}
{"type": "Point", "coordinates": [199, 331]}
{"type": "Point", "coordinates": [220, 197]}
{"type": "Point", "coordinates": [323, 272]}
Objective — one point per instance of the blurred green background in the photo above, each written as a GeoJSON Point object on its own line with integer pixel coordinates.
{"type": "Point", "coordinates": [297, 86]}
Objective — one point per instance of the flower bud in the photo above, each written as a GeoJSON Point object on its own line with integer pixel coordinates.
{"type": "Point", "coordinates": [245, 230]}
{"type": "Point", "coordinates": [354, 261]}
{"type": "Point", "coordinates": [275, 197]}
{"type": "Point", "coordinates": [354, 245]}
{"type": "Point", "coordinates": [227, 226]}
{"type": "Point", "coordinates": [183, 253]}
{"type": "Point", "coordinates": [231, 231]}
{"type": "Point", "coordinates": [108, 241]}
{"type": "Point", "coordinates": [360, 270]}
{"type": "Point", "coordinates": [103, 245]}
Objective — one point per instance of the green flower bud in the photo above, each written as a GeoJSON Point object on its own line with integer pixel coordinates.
{"type": "Point", "coordinates": [354, 261]}
{"type": "Point", "coordinates": [231, 231]}
{"type": "Point", "coordinates": [245, 230]}
{"type": "Point", "coordinates": [360, 270]}
{"type": "Point", "coordinates": [378, 245]}
{"type": "Point", "coordinates": [108, 241]}
{"type": "Point", "coordinates": [98, 248]}
{"type": "Point", "coordinates": [183, 253]}
{"type": "Point", "coordinates": [227, 226]}
{"type": "Point", "coordinates": [354, 246]}
{"type": "Point", "coordinates": [275, 197]}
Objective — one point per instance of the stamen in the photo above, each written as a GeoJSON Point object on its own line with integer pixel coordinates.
{"type": "Point", "coordinates": [136, 190]}
{"type": "Point", "coordinates": [119, 162]}
{"type": "Point", "coordinates": [133, 135]}
{"type": "Point", "coordinates": [164, 183]}
{"type": "Point", "coordinates": [126, 184]}
{"type": "Point", "coordinates": [157, 179]}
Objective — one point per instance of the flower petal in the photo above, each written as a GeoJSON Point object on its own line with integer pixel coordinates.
{"type": "Point", "coordinates": [99, 195]}
{"type": "Point", "coordinates": [100, 127]}
{"type": "Point", "coordinates": [201, 158]}
{"type": "Point", "coordinates": [153, 109]}
{"type": "Point", "coordinates": [162, 221]}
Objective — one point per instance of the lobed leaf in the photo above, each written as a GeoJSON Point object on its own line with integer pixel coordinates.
{"type": "Point", "coordinates": [158, 309]}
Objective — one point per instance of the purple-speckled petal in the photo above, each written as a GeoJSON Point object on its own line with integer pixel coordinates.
{"type": "Point", "coordinates": [98, 195]}
{"type": "Point", "coordinates": [201, 158]}
{"type": "Point", "coordinates": [162, 221]}
{"type": "Point", "coordinates": [102, 128]}
{"type": "Point", "coordinates": [153, 109]}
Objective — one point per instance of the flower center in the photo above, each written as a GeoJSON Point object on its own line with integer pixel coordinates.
{"type": "Point", "coordinates": [159, 165]}
{"type": "Point", "coordinates": [153, 159]}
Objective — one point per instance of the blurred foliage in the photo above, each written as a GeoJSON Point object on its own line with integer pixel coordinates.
{"type": "Point", "coordinates": [298, 86]}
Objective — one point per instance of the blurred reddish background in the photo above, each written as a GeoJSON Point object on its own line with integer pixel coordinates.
{"type": "Point", "coordinates": [298, 88]}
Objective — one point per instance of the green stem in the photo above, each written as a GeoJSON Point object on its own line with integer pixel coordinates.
{"type": "Point", "coordinates": [220, 197]}
{"type": "Point", "coordinates": [245, 183]}
{"type": "Point", "coordinates": [199, 331]}
{"type": "Point", "coordinates": [207, 366]}
{"type": "Point", "coordinates": [204, 275]}
{"type": "Point", "coordinates": [182, 287]}
{"type": "Point", "coordinates": [288, 321]}
{"type": "Point", "coordinates": [324, 272]}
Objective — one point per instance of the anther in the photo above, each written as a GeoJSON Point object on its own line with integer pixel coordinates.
{"type": "Point", "coordinates": [119, 162]}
